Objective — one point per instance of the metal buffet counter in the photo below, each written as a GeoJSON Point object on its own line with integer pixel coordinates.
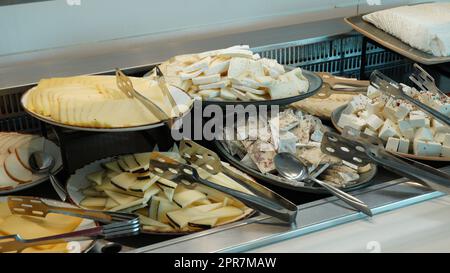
{"type": "Point", "coordinates": [407, 216]}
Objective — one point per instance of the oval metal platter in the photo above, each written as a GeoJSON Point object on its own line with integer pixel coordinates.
{"type": "Point", "coordinates": [337, 114]}
{"type": "Point", "coordinates": [179, 96]}
{"type": "Point", "coordinates": [364, 181]}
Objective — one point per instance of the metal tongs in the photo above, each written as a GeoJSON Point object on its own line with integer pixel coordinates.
{"type": "Point", "coordinates": [340, 85]}
{"type": "Point", "coordinates": [116, 224]}
{"type": "Point", "coordinates": [361, 149]}
{"type": "Point", "coordinates": [126, 86]}
{"type": "Point", "coordinates": [389, 86]}
{"type": "Point", "coordinates": [268, 203]}
{"type": "Point", "coordinates": [425, 81]}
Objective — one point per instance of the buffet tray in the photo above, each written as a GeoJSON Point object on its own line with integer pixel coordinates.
{"type": "Point", "coordinates": [365, 178]}
{"type": "Point", "coordinates": [385, 39]}
{"type": "Point", "coordinates": [337, 114]}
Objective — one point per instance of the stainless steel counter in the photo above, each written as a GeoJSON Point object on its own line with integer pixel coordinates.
{"type": "Point", "coordinates": [328, 216]}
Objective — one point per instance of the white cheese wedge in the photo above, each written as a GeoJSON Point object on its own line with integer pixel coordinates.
{"type": "Point", "coordinates": [392, 144]}
{"type": "Point", "coordinates": [206, 79]}
{"type": "Point", "coordinates": [96, 177]}
{"type": "Point", "coordinates": [374, 122]}
{"type": "Point", "coordinates": [403, 146]}
{"type": "Point", "coordinates": [200, 65]}
{"type": "Point", "coordinates": [187, 197]}
{"type": "Point", "coordinates": [426, 148]}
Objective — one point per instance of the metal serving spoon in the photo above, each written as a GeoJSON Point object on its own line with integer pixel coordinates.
{"type": "Point", "coordinates": [292, 168]}
{"type": "Point", "coordinates": [43, 163]}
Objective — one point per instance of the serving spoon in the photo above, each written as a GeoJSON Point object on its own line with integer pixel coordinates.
{"type": "Point", "coordinates": [43, 163]}
{"type": "Point", "coordinates": [292, 168]}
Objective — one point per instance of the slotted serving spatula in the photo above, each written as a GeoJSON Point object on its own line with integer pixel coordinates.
{"type": "Point", "coordinates": [425, 81]}
{"type": "Point", "coordinates": [177, 172]}
{"type": "Point", "coordinates": [361, 149]}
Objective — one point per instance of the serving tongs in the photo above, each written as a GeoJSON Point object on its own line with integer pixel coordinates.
{"type": "Point", "coordinates": [177, 172]}
{"type": "Point", "coordinates": [389, 86]}
{"type": "Point", "coordinates": [340, 85]}
{"type": "Point", "coordinates": [425, 81]}
{"type": "Point", "coordinates": [126, 86]}
{"type": "Point", "coordinates": [360, 149]}
{"type": "Point", "coordinates": [117, 224]}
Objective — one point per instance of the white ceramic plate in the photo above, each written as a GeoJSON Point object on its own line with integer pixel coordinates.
{"type": "Point", "coordinates": [72, 247]}
{"type": "Point", "coordinates": [53, 150]}
{"type": "Point", "coordinates": [180, 97]}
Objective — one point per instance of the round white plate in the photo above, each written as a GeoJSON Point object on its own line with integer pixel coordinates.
{"type": "Point", "coordinates": [53, 150]}
{"type": "Point", "coordinates": [180, 97]}
{"type": "Point", "coordinates": [72, 247]}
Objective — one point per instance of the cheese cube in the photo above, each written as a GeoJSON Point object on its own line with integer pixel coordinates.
{"type": "Point", "coordinates": [439, 127]}
{"type": "Point", "coordinates": [374, 122]}
{"type": "Point", "coordinates": [445, 151]}
{"type": "Point", "coordinates": [373, 92]}
{"type": "Point", "coordinates": [353, 107]}
{"type": "Point", "coordinates": [427, 148]}
{"type": "Point", "coordinates": [364, 114]}
{"type": "Point", "coordinates": [317, 136]}
{"type": "Point", "coordinates": [446, 140]}
{"type": "Point", "coordinates": [445, 109]}
{"type": "Point", "coordinates": [351, 121]}
{"type": "Point", "coordinates": [374, 107]}
{"type": "Point", "coordinates": [403, 146]}
{"type": "Point", "coordinates": [388, 129]}
{"type": "Point", "coordinates": [370, 132]}
{"type": "Point", "coordinates": [418, 121]}
{"type": "Point", "coordinates": [287, 143]}
{"type": "Point", "coordinates": [392, 144]}
{"type": "Point", "coordinates": [424, 134]}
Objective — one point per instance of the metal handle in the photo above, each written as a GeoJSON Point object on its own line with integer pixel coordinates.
{"type": "Point", "coordinates": [259, 203]}
{"type": "Point", "coordinates": [97, 216]}
{"type": "Point", "coordinates": [57, 187]}
{"type": "Point", "coordinates": [431, 177]}
{"type": "Point", "coordinates": [436, 114]}
{"type": "Point", "coordinates": [347, 198]}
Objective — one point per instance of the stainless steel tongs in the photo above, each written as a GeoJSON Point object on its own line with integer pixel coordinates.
{"type": "Point", "coordinates": [118, 224]}
{"type": "Point", "coordinates": [187, 175]}
{"type": "Point", "coordinates": [389, 86]}
{"type": "Point", "coordinates": [361, 149]}
{"type": "Point", "coordinates": [425, 81]}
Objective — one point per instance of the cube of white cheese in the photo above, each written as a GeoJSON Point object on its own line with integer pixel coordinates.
{"type": "Point", "coordinates": [374, 122]}
{"type": "Point", "coordinates": [439, 127]}
{"type": "Point", "coordinates": [446, 140]}
{"type": "Point", "coordinates": [351, 121]}
{"type": "Point", "coordinates": [392, 144]}
{"type": "Point", "coordinates": [373, 92]}
{"type": "Point", "coordinates": [370, 132]}
{"type": "Point", "coordinates": [287, 143]}
{"type": "Point", "coordinates": [417, 121]}
{"type": "Point", "coordinates": [317, 136]}
{"type": "Point", "coordinates": [424, 133]}
{"type": "Point", "coordinates": [445, 109]}
{"type": "Point", "coordinates": [363, 114]}
{"type": "Point", "coordinates": [427, 148]}
{"type": "Point", "coordinates": [445, 151]}
{"type": "Point", "coordinates": [374, 107]}
{"type": "Point", "coordinates": [403, 146]}
{"type": "Point", "coordinates": [388, 129]}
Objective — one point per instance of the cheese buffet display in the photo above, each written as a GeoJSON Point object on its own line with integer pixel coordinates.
{"type": "Point", "coordinates": [424, 26]}
{"type": "Point", "coordinates": [291, 131]}
{"type": "Point", "coordinates": [231, 74]}
{"type": "Point", "coordinates": [402, 127]}
{"type": "Point", "coordinates": [96, 102]}
{"type": "Point", "coordinates": [125, 184]}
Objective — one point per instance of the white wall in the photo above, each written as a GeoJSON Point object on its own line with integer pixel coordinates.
{"type": "Point", "coordinates": [51, 24]}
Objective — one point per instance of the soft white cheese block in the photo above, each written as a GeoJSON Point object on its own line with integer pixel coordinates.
{"type": "Point", "coordinates": [403, 146]}
{"type": "Point", "coordinates": [425, 27]}
{"type": "Point", "coordinates": [427, 148]}
{"type": "Point", "coordinates": [445, 151]}
{"type": "Point", "coordinates": [392, 144]}
{"type": "Point", "coordinates": [351, 121]}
